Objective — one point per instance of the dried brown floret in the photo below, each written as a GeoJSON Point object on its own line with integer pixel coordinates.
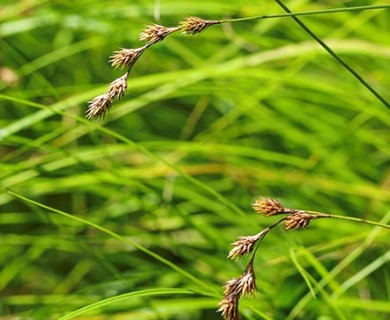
{"type": "Point", "coordinates": [269, 207]}
{"type": "Point", "coordinates": [193, 25]}
{"type": "Point", "coordinates": [118, 87]}
{"type": "Point", "coordinates": [298, 220]}
{"type": "Point", "coordinates": [245, 245]}
{"type": "Point", "coordinates": [125, 58]}
{"type": "Point", "coordinates": [229, 304]}
{"type": "Point", "coordinates": [247, 281]}
{"type": "Point", "coordinates": [155, 33]}
{"type": "Point", "coordinates": [98, 106]}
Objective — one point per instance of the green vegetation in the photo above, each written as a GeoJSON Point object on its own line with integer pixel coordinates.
{"type": "Point", "coordinates": [133, 216]}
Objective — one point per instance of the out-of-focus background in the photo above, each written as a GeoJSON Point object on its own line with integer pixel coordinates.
{"type": "Point", "coordinates": [158, 190]}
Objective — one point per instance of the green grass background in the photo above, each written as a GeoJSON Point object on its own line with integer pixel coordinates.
{"type": "Point", "coordinates": [141, 208]}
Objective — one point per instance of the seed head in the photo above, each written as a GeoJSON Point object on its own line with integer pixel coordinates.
{"type": "Point", "coordinates": [269, 207]}
{"type": "Point", "coordinates": [125, 58]}
{"type": "Point", "coordinates": [231, 287]}
{"type": "Point", "coordinates": [118, 87]}
{"type": "Point", "coordinates": [245, 245]}
{"type": "Point", "coordinates": [155, 33]}
{"type": "Point", "coordinates": [298, 220]}
{"type": "Point", "coordinates": [229, 304]}
{"type": "Point", "coordinates": [229, 308]}
{"type": "Point", "coordinates": [247, 281]}
{"type": "Point", "coordinates": [98, 106]}
{"type": "Point", "coordinates": [234, 289]}
{"type": "Point", "coordinates": [193, 25]}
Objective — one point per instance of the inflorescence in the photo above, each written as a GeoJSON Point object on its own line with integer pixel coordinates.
{"type": "Point", "coordinates": [247, 245]}
{"type": "Point", "coordinates": [126, 58]}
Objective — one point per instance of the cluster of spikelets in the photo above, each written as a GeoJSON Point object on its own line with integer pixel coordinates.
{"type": "Point", "coordinates": [246, 284]}
{"type": "Point", "coordinates": [126, 58]}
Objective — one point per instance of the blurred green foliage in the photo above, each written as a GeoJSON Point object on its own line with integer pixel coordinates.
{"type": "Point", "coordinates": [208, 123]}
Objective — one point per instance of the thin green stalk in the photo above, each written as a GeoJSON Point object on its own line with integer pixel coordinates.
{"type": "Point", "coordinates": [307, 13]}
{"type": "Point", "coordinates": [265, 231]}
{"type": "Point", "coordinates": [335, 216]}
{"type": "Point", "coordinates": [334, 55]}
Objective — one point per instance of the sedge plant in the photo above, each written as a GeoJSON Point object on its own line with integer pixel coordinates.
{"type": "Point", "coordinates": [293, 219]}
{"type": "Point", "coordinates": [125, 58]}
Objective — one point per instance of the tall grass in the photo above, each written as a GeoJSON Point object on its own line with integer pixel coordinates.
{"type": "Point", "coordinates": [132, 217]}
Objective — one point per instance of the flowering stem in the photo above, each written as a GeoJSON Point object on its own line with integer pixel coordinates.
{"type": "Point", "coordinates": [307, 13]}
{"type": "Point", "coordinates": [335, 216]}
{"type": "Point", "coordinates": [265, 231]}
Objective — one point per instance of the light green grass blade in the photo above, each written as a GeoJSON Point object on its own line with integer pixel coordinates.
{"type": "Point", "coordinates": [123, 297]}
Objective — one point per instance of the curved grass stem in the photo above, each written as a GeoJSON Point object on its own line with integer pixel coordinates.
{"type": "Point", "coordinates": [334, 55]}
{"type": "Point", "coordinates": [307, 13]}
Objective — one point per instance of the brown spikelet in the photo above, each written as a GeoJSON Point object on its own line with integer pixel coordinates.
{"type": "Point", "coordinates": [269, 207]}
{"type": "Point", "coordinates": [125, 58]}
{"type": "Point", "coordinates": [247, 281]}
{"type": "Point", "coordinates": [99, 106]}
{"type": "Point", "coordinates": [118, 87]}
{"type": "Point", "coordinates": [193, 25]}
{"type": "Point", "coordinates": [246, 284]}
{"type": "Point", "coordinates": [298, 220]}
{"type": "Point", "coordinates": [245, 245]}
{"type": "Point", "coordinates": [234, 289]}
{"type": "Point", "coordinates": [155, 33]}
{"type": "Point", "coordinates": [228, 306]}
